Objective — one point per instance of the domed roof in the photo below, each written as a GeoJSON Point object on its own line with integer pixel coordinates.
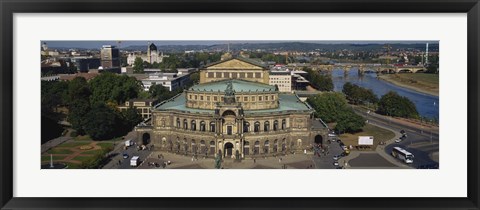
{"type": "Point", "coordinates": [152, 47]}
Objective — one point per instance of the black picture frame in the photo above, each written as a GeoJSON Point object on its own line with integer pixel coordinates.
{"type": "Point", "coordinates": [10, 7]}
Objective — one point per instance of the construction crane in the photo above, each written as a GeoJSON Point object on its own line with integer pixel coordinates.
{"type": "Point", "coordinates": [387, 47]}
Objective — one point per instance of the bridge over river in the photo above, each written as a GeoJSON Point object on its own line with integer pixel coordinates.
{"type": "Point", "coordinates": [371, 68]}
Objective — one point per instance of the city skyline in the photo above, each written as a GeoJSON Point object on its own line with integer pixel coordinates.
{"type": "Point", "coordinates": [88, 44]}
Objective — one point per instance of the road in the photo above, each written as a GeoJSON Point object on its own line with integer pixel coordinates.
{"type": "Point", "coordinates": [132, 151]}
{"type": "Point", "coordinates": [420, 141]}
{"type": "Point", "coordinates": [326, 161]}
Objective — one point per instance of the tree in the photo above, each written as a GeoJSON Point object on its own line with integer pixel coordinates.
{"type": "Point", "coordinates": [432, 68]}
{"type": "Point", "coordinates": [321, 82]}
{"type": "Point", "coordinates": [131, 118]}
{"type": "Point", "coordinates": [328, 106]}
{"type": "Point", "coordinates": [332, 107]}
{"type": "Point", "coordinates": [50, 129]}
{"type": "Point", "coordinates": [138, 65]}
{"type": "Point", "coordinates": [349, 122]}
{"type": "Point", "coordinates": [109, 87]}
{"type": "Point", "coordinates": [160, 93]}
{"type": "Point", "coordinates": [53, 94]}
{"type": "Point", "coordinates": [79, 105]}
{"type": "Point", "coordinates": [359, 95]}
{"type": "Point", "coordinates": [78, 109]}
{"type": "Point", "coordinates": [392, 104]}
{"type": "Point", "coordinates": [102, 123]}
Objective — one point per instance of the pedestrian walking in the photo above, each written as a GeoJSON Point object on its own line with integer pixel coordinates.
{"type": "Point", "coordinates": [254, 160]}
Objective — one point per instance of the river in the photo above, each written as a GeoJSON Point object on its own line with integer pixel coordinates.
{"type": "Point", "coordinates": [427, 105]}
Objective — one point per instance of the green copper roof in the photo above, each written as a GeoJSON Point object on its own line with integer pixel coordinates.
{"type": "Point", "coordinates": [178, 103]}
{"type": "Point", "coordinates": [238, 86]}
{"type": "Point", "coordinates": [288, 102]}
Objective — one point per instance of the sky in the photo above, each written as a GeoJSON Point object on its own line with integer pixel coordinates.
{"type": "Point", "coordinates": [98, 44]}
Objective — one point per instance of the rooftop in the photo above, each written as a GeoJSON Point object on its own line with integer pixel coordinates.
{"type": "Point", "coordinates": [288, 102]}
{"type": "Point", "coordinates": [240, 58]}
{"type": "Point", "coordinates": [237, 85]}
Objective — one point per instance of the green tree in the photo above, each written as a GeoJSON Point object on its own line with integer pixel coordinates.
{"type": "Point", "coordinates": [333, 107]}
{"type": "Point", "coordinates": [131, 118]}
{"type": "Point", "coordinates": [432, 68]}
{"type": "Point", "coordinates": [109, 87]}
{"type": "Point", "coordinates": [328, 106]}
{"type": "Point", "coordinates": [349, 122]}
{"type": "Point", "coordinates": [103, 123]}
{"type": "Point", "coordinates": [53, 94]}
{"type": "Point", "coordinates": [78, 105]}
{"type": "Point", "coordinates": [359, 95]}
{"type": "Point", "coordinates": [138, 66]}
{"type": "Point", "coordinates": [78, 109]}
{"type": "Point", "coordinates": [322, 82]}
{"type": "Point", "coordinates": [392, 104]}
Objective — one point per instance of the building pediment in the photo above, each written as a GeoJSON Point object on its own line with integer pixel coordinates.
{"type": "Point", "coordinates": [235, 64]}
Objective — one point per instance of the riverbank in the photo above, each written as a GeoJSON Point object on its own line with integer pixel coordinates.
{"type": "Point", "coordinates": [420, 82]}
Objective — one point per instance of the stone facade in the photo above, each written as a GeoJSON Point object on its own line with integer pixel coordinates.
{"type": "Point", "coordinates": [232, 125]}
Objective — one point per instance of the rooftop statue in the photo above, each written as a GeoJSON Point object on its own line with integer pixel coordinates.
{"type": "Point", "coordinates": [229, 91]}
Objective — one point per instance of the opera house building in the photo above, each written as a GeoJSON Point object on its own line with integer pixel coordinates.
{"type": "Point", "coordinates": [233, 111]}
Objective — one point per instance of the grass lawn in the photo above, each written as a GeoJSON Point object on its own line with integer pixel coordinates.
{"type": "Point", "coordinates": [83, 158]}
{"type": "Point", "coordinates": [55, 158]}
{"type": "Point", "coordinates": [83, 138]}
{"type": "Point", "coordinates": [379, 134]}
{"type": "Point", "coordinates": [72, 166]}
{"type": "Point", "coordinates": [59, 151]}
{"type": "Point", "coordinates": [73, 144]}
{"type": "Point", "coordinates": [93, 152]}
{"type": "Point", "coordinates": [105, 144]}
{"type": "Point", "coordinates": [431, 79]}
{"type": "Point", "coordinates": [417, 81]}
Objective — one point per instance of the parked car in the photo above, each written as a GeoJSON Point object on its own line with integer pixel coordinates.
{"type": "Point", "coordinates": [335, 163]}
{"type": "Point", "coordinates": [398, 140]}
{"type": "Point", "coordinates": [125, 156]}
{"type": "Point", "coordinates": [336, 157]}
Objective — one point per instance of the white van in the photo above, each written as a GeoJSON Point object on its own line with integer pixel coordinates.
{"type": "Point", "coordinates": [128, 143]}
{"type": "Point", "coordinates": [134, 161]}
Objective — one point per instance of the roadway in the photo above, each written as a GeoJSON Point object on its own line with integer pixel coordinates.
{"type": "Point", "coordinates": [421, 142]}
{"type": "Point", "coordinates": [325, 161]}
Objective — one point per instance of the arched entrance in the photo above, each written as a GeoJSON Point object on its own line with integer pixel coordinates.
{"type": "Point", "coordinates": [146, 138]}
{"type": "Point", "coordinates": [228, 149]}
{"type": "Point", "coordinates": [318, 139]}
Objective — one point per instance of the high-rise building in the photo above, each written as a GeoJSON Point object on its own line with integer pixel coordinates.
{"type": "Point", "coordinates": [110, 56]}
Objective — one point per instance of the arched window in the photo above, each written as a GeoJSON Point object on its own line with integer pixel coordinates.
{"type": "Point", "coordinates": [275, 145]}
{"type": "Point", "coordinates": [193, 125]}
{"type": "Point", "coordinates": [275, 125]}
{"type": "Point", "coordinates": [266, 126]}
{"type": "Point", "coordinates": [284, 124]}
{"type": "Point", "coordinates": [212, 126]}
{"type": "Point", "coordinates": [178, 122]}
{"type": "Point", "coordinates": [246, 126]}
{"type": "Point", "coordinates": [185, 124]}
{"type": "Point", "coordinates": [202, 126]}
{"type": "Point", "coordinates": [256, 127]}
{"type": "Point", "coordinates": [266, 147]}
{"type": "Point", "coordinates": [256, 148]}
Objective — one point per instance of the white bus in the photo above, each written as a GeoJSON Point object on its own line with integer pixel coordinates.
{"type": "Point", "coordinates": [402, 154]}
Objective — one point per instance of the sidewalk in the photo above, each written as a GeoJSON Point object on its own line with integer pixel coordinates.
{"type": "Point", "coordinates": [54, 142]}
